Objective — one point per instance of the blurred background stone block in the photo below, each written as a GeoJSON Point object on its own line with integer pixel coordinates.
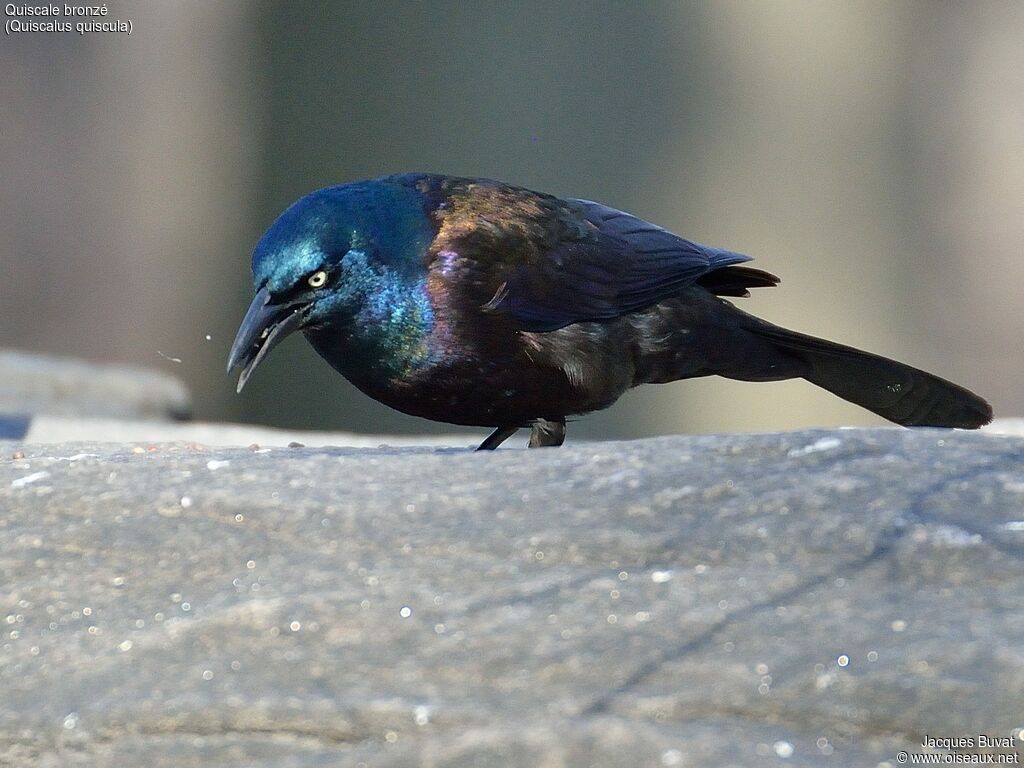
{"type": "Point", "coordinates": [33, 384]}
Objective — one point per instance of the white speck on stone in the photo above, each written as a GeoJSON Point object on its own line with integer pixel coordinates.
{"type": "Point", "coordinates": [660, 577]}
{"type": "Point", "coordinates": [671, 757]}
{"type": "Point", "coordinates": [405, 612]}
{"type": "Point", "coordinates": [955, 536]}
{"type": "Point", "coordinates": [76, 457]}
{"type": "Point", "coordinates": [824, 444]}
{"type": "Point", "coordinates": [421, 714]}
{"type": "Point", "coordinates": [783, 749]}
{"type": "Point", "coordinates": [214, 464]}
{"type": "Point", "coordinates": [35, 477]}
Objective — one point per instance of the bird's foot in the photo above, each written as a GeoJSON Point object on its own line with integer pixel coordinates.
{"type": "Point", "coordinates": [547, 433]}
{"type": "Point", "coordinates": [497, 437]}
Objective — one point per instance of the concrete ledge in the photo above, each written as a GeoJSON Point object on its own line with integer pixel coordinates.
{"type": "Point", "coordinates": [39, 384]}
{"type": "Point", "coordinates": [802, 599]}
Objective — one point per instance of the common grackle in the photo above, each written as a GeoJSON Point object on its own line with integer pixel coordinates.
{"type": "Point", "coordinates": [475, 302]}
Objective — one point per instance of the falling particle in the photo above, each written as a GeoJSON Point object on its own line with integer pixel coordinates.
{"type": "Point", "coordinates": [186, 501]}
{"type": "Point", "coordinates": [783, 749]}
{"type": "Point", "coordinates": [660, 577]}
{"type": "Point", "coordinates": [239, 518]}
{"type": "Point", "coordinates": [125, 646]}
{"type": "Point", "coordinates": [406, 612]}
{"type": "Point", "coordinates": [209, 337]}
{"type": "Point", "coordinates": [899, 625]}
{"type": "Point", "coordinates": [872, 655]}
{"type": "Point", "coordinates": [250, 564]}
{"type": "Point", "coordinates": [843, 660]}
{"type": "Point", "coordinates": [213, 464]}
{"type": "Point", "coordinates": [70, 721]}
{"type": "Point", "coordinates": [168, 357]}
{"type": "Point", "coordinates": [390, 737]}
{"type": "Point", "coordinates": [295, 626]}
{"type": "Point", "coordinates": [207, 674]}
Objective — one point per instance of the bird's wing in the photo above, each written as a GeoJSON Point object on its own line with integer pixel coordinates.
{"type": "Point", "coordinates": [546, 263]}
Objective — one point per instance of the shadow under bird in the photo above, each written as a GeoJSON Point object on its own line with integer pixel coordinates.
{"type": "Point", "coordinates": [475, 302]}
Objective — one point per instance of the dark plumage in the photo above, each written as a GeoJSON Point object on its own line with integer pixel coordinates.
{"type": "Point", "coordinates": [474, 302]}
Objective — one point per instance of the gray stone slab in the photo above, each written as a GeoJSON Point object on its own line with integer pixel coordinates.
{"type": "Point", "coordinates": [60, 429]}
{"type": "Point", "coordinates": [39, 384]}
{"type": "Point", "coordinates": [803, 599]}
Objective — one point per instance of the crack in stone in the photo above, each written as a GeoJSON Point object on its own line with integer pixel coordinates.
{"type": "Point", "coordinates": [888, 540]}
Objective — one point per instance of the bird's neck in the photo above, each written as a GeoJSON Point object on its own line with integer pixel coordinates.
{"type": "Point", "coordinates": [382, 340]}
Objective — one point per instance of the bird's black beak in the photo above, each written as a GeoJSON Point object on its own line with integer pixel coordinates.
{"type": "Point", "coordinates": [263, 326]}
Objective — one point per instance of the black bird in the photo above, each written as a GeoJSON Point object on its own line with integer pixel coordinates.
{"type": "Point", "coordinates": [475, 302]}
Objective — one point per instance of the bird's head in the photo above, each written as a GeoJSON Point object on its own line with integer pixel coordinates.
{"type": "Point", "coordinates": [326, 259]}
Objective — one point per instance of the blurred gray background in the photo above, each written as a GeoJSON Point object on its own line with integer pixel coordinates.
{"type": "Point", "coordinates": [870, 153]}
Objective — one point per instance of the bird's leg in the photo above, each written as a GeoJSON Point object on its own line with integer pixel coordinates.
{"type": "Point", "coordinates": [496, 438]}
{"type": "Point", "coordinates": [547, 433]}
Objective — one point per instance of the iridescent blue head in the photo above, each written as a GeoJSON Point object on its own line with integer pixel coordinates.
{"type": "Point", "coordinates": [345, 265]}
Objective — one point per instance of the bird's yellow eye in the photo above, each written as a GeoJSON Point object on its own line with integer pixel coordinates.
{"type": "Point", "coordinates": [317, 279]}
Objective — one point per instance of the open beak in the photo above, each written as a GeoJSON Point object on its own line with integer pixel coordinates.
{"type": "Point", "coordinates": [263, 326]}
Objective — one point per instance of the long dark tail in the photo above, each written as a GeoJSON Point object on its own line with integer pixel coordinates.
{"type": "Point", "coordinates": [894, 391]}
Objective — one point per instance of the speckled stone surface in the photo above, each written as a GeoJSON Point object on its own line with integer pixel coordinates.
{"type": "Point", "coordinates": [813, 598]}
